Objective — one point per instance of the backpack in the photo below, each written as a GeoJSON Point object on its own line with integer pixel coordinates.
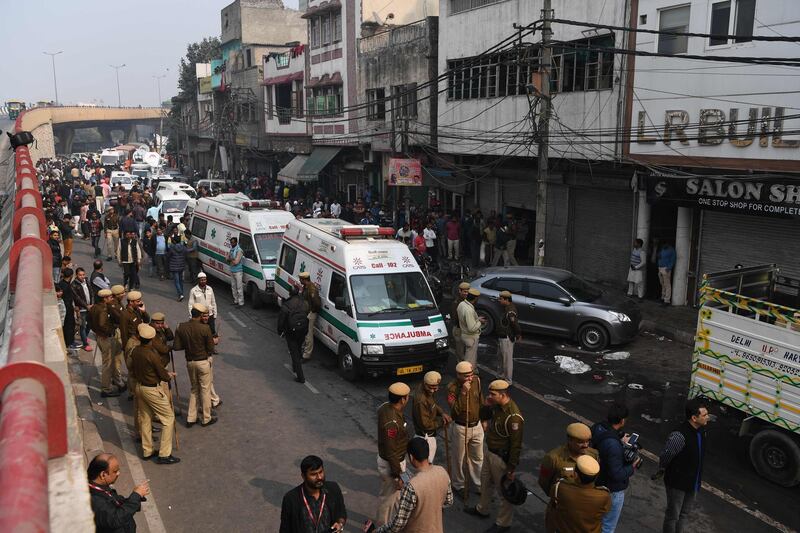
{"type": "Point", "coordinates": [298, 320]}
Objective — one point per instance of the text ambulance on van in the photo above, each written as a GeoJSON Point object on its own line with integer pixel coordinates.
{"type": "Point", "coordinates": [378, 314]}
{"type": "Point", "coordinates": [257, 224]}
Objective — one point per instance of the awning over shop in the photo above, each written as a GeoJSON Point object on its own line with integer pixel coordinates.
{"type": "Point", "coordinates": [286, 78]}
{"type": "Point", "coordinates": [318, 160]}
{"type": "Point", "coordinates": [288, 174]}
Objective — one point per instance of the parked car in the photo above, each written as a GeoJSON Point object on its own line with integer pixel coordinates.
{"type": "Point", "coordinates": [556, 302]}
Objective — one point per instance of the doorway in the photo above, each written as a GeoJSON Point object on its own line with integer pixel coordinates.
{"type": "Point", "coordinates": [663, 224]}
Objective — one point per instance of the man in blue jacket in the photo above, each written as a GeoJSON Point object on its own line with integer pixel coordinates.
{"type": "Point", "coordinates": [666, 263]}
{"type": "Point", "coordinates": [615, 471]}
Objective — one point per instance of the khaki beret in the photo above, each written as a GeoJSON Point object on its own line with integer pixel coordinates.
{"type": "Point", "coordinates": [201, 275]}
{"type": "Point", "coordinates": [304, 275]}
{"type": "Point", "coordinates": [588, 465]}
{"type": "Point", "coordinates": [399, 389]}
{"type": "Point", "coordinates": [463, 286]}
{"type": "Point", "coordinates": [432, 378]}
{"type": "Point", "coordinates": [505, 294]}
{"type": "Point", "coordinates": [579, 431]}
{"type": "Point", "coordinates": [117, 289]}
{"type": "Point", "coordinates": [474, 292]}
{"type": "Point", "coordinates": [102, 293]}
{"type": "Point", "coordinates": [134, 295]}
{"type": "Point", "coordinates": [200, 308]}
{"type": "Point", "coordinates": [146, 331]}
{"type": "Point", "coordinates": [464, 367]}
{"type": "Point", "coordinates": [499, 385]}
{"type": "Point", "coordinates": [158, 316]}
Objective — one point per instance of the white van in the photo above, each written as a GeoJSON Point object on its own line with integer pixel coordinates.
{"type": "Point", "coordinates": [378, 313]}
{"type": "Point", "coordinates": [170, 202]}
{"type": "Point", "coordinates": [257, 224]}
{"type": "Point", "coordinates": [212, 186]}
{"type": "Point", "coordinates": [182, 187]}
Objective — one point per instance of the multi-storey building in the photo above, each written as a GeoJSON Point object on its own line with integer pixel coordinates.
{"type": "Point", "coordinates": [718, 140]}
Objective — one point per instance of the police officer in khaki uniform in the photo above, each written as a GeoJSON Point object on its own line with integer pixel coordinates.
{"type": "Point", "coordinates": [508, 333]}
{"type": "Point", "coordinates": [392, 445]}
{"type": "Point", "coordinates": [115, 309]}
{"type": "Point", "coordinates": [428, 417]}
{"type": "Point", "coordinates": [195, 338]}
{"type": "Point", "coordinates": [504, 442]}
{"type": "Point", "coordinates": [577, 504]}
{"type": "Point", "coordinates": [314, 303]}
{"type": "Point", "coordinates": [133, 383]}
{"type": "Point", "coordinates": [133, 315]}
{"type": "Point", "coordinates": [560, 462]}
{"type": "Point", "coordinates": [162, 342]}
{"type": "Point", "coordinates": [470, 324]}
{"type": "Point", "coordinates": [105, 329]}
{"type": "Point", "coordinates": [465, 398]}
{"type": "Point", "coordinates": [149, 372]}
{"type": "Point", "coordinates": [463, 288]}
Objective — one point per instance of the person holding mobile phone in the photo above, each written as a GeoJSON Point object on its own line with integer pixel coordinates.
{"type": "Point", "coordinates": [615, 471]}
{"type": "Point", "coordinates": [112, 512]}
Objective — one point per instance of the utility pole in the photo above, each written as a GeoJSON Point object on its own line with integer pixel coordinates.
{"type": "Point", "coordinates": [544, 133]}
{"type": "Point", "coordinates": [116, 68]}
{"type": "Point", "coordinates": [55, 83]}
{"type": "Point", "coordinates": [160, 113]}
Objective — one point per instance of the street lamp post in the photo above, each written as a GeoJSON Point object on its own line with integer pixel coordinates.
{"type": "Point", "coordinates": [116, 68]}
{"type": "Point", "coordinates": [160, 113]}
{"type": "Point", "coordinates": [53, 58]}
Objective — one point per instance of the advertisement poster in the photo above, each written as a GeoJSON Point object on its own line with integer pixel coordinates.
{"type": "Point", "coordinates": [405, 172]}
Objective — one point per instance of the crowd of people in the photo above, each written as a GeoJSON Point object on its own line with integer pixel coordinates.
{"type": "Point", "coordinates": [586, 478]}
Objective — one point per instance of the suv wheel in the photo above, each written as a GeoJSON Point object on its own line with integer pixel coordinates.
{"type": "Point", "coordinates": [593, 337]}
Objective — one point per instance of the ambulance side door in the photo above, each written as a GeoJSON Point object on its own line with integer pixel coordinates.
{"type": "Point", "coordinates": [337, 308]}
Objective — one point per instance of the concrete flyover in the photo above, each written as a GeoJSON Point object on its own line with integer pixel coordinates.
{"type": "Point", "coordinates": [48, 123]}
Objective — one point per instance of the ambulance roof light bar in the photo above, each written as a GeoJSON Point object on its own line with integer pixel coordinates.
{"type": "Point", "coordinates": [261, 204]}
{"type": "Point", "coordinates": [365, 231]}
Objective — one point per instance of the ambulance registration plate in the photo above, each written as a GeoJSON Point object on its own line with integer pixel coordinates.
{"type": "Point", "coordinates": [409, 370]}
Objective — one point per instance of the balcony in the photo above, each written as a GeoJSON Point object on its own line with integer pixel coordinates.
{"type": "Point", "coordinates": [393, 37]}
{"type": "Point", "coordinates": [285, 115]}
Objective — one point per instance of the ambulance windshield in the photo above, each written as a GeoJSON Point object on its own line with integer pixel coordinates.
{"type": "Point", "coordinates": [386, 293]}
{"type": "Point", "coordinates": [268, 244]}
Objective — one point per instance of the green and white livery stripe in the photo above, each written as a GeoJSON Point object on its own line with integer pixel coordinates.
{"type": "Point", "coordinates": [395, 323]}
{"type": "Point", "coordinates": [219, 257]}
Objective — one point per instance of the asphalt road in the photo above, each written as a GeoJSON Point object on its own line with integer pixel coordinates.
{"type": "Point", "coordinates": [233, 474]}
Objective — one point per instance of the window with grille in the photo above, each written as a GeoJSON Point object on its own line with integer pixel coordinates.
{"type": "Point", "coordinates": [404, 100]}
{"type": "Point", "coordinates": [313, 29]}
{"type": "Point", "coordinates": [326, 29]}
{"type": "Point", "coordinates": [496, 75]}
{"type": "Point", "coordinates": [457, 6]}
{"type": "Point", "coordinates": [376, 104]}
{"type": "Point", "coordinates": [325, 101]}
{"type": "Point", "coordinates": [583, 65]}
{"type": "Point", "coordinates": [281, 60]}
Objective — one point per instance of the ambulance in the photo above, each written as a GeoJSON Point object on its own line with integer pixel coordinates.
{"type": "Point", "coordinates": [257, 224]}
{"type": "Point", "coordinates": [378, 313]}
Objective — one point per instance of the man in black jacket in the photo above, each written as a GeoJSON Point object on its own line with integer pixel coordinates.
{"type": "Point", "coordinates": [315, 505]}
{"type": "Point", "coordinates": [54, 242]}
{"type": "Point", "coordinates": [112, 513]}
{"type": "Point", "coordinates": [82, 300]}
{"type": "Point", "coordinates": [681, 464]}
{"type": "Point", "coordinates": [68, 328]}
{"type": "Point", "coordinates": [293, 324]}
{"type": "Point", "coordinates": [615, 471]}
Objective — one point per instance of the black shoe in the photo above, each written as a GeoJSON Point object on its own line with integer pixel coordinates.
{"type": "Point", "coordinates": [300, 380]}
{"type": "Point", "coordinates": [148, 457]}
{"type": "Point", "coordinates": [122, 388]}
{"type": "Point", "coordinates": [168, 460]}
{"type": "Point", "coordinates": [190, 424]}
{"type": "Point", "coordinates": [180, 298]}
{"type": "Point", "coordinates": [111, 394]}
{"type": "Point", "coordinates": [215, 406]}
{"type": "Point", "coordinates": [212, 420]}
{"type": "Point", "coordinates": [474, 512]}
{"type": "Point", "coordinates": [108, 258]}
{"type": "Point", "coordinates": [498, 529]}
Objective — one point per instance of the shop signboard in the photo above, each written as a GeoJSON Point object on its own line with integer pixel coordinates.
{"type": "Point", "coordinates": [748, 195]}
{"type": "Point", "coordinates": [205, 85]}
{"type": "Point", "coordinates": [405, 172]}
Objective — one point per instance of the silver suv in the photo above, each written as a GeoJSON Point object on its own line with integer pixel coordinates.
{"type": "Point", "coordinates": [551, 301]}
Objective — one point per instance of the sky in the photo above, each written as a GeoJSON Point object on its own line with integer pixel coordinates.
{"type": "Point", "coordinates": [148, 36]}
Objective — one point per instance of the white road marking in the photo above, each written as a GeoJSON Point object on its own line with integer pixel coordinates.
{"type": "Point", "coordinates": [150, 509]}
{"type": "Point", "coordinates": [237, 320]}
{"type": "Point", "coordinates": [310, 387]}
{"type": "Point", "coordinates": [755, 513]}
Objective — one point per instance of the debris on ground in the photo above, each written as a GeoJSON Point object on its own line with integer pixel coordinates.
{"type": "Point", "coordinates": [652, 419]}
{"type": "Point", "coordinates": [616, 356]}
{"type": "Point", "coordinates": [555, 398]}
{"type": "Point", "coordinates": [613, 383]}
{"type": "Point", "coordinates": [635, 386]}
{"type": "Point", "coordinates": [598, 377]}
{"type": "Point", "coordinates": [571, 366]}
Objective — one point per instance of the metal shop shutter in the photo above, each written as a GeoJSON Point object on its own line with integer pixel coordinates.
{"type": "Point", "coordinates": [601, 234]}
{"type": "Point", "coordinates": [730, 238]}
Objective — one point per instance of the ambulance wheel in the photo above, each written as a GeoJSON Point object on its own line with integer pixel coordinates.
{"type": "Point", "coordinates": [349, 366]}
{"type": "Point", "coordinates": [253, 296]}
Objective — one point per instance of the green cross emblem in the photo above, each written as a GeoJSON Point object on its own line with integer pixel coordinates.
{"type": "Point", "coordinates": [439, 330]}
{"type": "Point", "coordinates": [213, 233]}
{"type": "Point", "coordinates": [303, 266]}
{"type": "Point", "coordinates": [372, 336]}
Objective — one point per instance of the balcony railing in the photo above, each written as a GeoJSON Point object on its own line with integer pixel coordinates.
{"type": "Point", "coordinates": [285, 115]}
{"type": "Point", "coordinates": [395, 36]}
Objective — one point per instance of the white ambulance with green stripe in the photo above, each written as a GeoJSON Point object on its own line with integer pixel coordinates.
{"type": "Point", "coordinates": [257, 224]}
{"type": "Point", "coordinates": [378, 313]}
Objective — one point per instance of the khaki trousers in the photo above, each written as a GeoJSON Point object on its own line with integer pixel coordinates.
{"type": "Point", "coordinates": [458, 343]}
{"type": "Point", "coordinates": [665, 278]}
{"type": "Point", "coordinates": [215, 400]}
{"type": "Point", "coordinates": [308, 344]}
{"type": "Point", "coordinates": [505, 349]}
{"type": "Point", "coordinates": [474, 461]}
{"type": "Point", "coordinates": [492, 472]}
{"type": "Point", "coordinates": [237, 288]}
{"type": "Point", "coordinates": [154, 401]}
{"type": "Point", "coordinates": [389, 495]}
{"type": "Point", "coordinates": [200, 378]}
{"type": "Point", "coordinates": [471, 352]}
{"type": "Point", "coordinates": [112, 240]}
{"type": "Point", "coordinates": [107, 356]}
{"type": "Point", "coordinates": [116, 359]}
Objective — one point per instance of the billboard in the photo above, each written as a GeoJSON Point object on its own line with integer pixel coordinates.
{"type": "Point", "coordinates": [405, 172]}
{"type": "Point", "coordinates": [205, 85]}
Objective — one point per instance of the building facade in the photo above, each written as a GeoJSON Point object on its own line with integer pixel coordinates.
{"type": "Point", "coordinates": [717, 141]}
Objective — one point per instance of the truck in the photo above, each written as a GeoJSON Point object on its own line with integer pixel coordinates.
{"type": "Point", "coordinates": [747, 357]}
